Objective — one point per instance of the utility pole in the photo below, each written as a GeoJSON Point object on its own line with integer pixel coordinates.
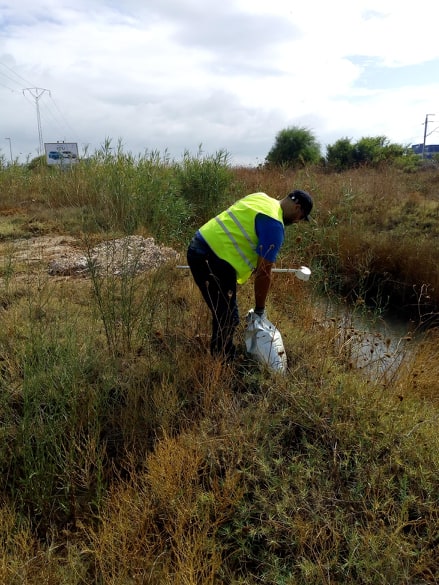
{"type": "Point", "coordinates": [425, 133]}
{"type": "Point", "coordinates": [37, 93]}
{"type": "Point", "coordinates": [10, 149]}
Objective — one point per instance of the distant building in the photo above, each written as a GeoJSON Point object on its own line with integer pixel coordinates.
{"type": "Point", "coordinates": [429, 150]}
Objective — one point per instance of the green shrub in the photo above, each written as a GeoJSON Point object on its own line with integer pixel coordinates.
{"type": "Point", "coordinates": [204, 182]}
{"type": "Point", "coordinates": [293, 147]}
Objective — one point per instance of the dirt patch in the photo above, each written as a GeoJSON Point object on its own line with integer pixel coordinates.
{"type": "Point", "coordinates": [40, 248]}
{"type": "Point", "coordinates": [64, 255]}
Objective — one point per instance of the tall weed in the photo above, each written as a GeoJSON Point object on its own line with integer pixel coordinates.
{"type": "Point", "coordinates": [205, 183]}
{"type": "Point", "coordinates": [54, 456]}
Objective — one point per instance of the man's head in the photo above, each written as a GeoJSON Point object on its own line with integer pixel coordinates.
{"type": "Point", "coordinates": [296, 206]}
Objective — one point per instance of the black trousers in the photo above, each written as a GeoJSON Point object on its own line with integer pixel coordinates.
{"type": "Point", "coordinates": [216, 280]}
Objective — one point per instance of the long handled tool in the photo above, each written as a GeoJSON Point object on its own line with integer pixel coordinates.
{"type": "Point", "coordinates": [302, 273]}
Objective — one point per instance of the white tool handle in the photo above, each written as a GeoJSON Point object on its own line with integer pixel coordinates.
{"type": "Point", "coordinates": [272, 270]}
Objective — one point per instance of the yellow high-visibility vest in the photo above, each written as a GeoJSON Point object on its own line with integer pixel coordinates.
{"type": "Point", "coordinates": [231, 235]}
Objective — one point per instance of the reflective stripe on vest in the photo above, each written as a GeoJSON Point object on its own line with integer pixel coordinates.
{"type": "Point", "coordinates": [233, 240]}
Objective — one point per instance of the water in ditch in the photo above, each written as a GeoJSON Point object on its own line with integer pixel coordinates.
{"type": "Point", "coordinates": [377, 346]}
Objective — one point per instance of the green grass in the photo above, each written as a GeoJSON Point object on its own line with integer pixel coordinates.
{"type": "Point", "coordinates": [128, 455]}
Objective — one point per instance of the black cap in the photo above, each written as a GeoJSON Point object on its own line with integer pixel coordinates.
{"type": "Point", "coordinates": [304, 200]}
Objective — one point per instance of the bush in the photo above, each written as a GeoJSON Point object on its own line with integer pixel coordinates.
{"type": "Point", "coordinates": [294, 146]}
{"type": "Point", "coordinates": [373, 151]}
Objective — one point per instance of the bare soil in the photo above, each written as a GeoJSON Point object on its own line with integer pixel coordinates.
{"type": "Point", "coordinates": [66, 256]}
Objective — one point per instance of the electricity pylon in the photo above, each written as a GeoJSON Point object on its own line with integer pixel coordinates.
{"type": "Point", "coordinates": [37, 93]}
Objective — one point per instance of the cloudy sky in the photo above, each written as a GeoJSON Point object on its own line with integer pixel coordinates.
{"type": "Point", "coordinates": [170, 75]}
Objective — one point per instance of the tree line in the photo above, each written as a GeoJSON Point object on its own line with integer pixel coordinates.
{"type": "Point", "coordinates": [296, 146]}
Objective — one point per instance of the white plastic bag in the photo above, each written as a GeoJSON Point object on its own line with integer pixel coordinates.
{"type": "Point", "coordinates": [263, 341]}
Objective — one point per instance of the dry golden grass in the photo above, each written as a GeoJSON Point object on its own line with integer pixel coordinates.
{"type": "Point", "coordinates": [161, 525]}
{"type": "Point", "coordinates": [419, 378]}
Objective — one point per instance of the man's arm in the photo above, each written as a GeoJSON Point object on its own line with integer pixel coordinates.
{"type": "Point", "coordinates": [262, 282]}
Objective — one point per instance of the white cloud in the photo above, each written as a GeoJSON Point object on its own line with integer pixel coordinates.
{"type": "Point", "coordinates": [171, 74]}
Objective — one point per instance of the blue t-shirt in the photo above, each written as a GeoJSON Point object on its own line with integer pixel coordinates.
{"type": "Point", "coordinates": [271, 235]}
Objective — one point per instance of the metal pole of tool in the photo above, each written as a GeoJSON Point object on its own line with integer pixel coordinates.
{"type": "Point", "coordinates": [302, 273]}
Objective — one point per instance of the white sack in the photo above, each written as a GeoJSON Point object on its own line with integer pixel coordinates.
{"type": "Point", "coordinates": [263, 342]}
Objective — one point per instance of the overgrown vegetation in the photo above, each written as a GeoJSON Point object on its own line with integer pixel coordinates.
{"type": "Point", "coordinates": [128, 455]}
{"type": "Point", "coordinates": [372, 151]}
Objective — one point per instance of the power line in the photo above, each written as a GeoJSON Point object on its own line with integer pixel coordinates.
{"type": "Point", "coordinates": [27, 82]}
{"type": "Point", "coordinates": [62, 116]}
{"type": "Point", "coordinates": [48, 112]}
{"type": "Point", "coordinates": [10, 88]}
{"type": "Point", "coordinates": [9, 78]}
